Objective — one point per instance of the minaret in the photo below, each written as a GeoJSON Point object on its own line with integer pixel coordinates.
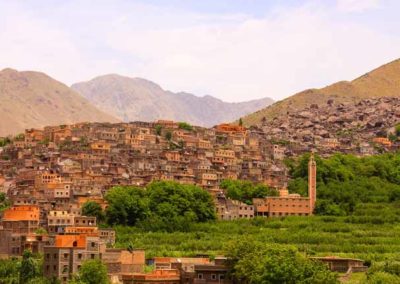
{"type": "Point", "coordinates": [312, 182]}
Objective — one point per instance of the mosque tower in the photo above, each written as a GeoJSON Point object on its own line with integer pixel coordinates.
{"type": "Point", "coordinates": [312, 182]}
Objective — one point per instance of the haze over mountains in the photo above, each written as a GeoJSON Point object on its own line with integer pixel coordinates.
{"type": "Point", "coordinates": [381, 82]}
{"type": "Point", "coordinates": [33, 99]}
{"type": "Point", "coordinates": [131, 99]}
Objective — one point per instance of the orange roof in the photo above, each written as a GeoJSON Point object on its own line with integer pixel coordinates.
{"type": "Point", "coordinates": [21, 213]}
{"type": "Point", "coordinates": [230, 127]}
{"type": "Point", "coordinates": [69, 241]}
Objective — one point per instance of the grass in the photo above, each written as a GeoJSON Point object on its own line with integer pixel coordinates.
{"type": "Point", "coordinates": [357, 278]}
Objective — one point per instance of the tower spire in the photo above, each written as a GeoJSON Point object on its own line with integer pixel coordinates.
{"type": "Point", "coordinates": [312, 182]}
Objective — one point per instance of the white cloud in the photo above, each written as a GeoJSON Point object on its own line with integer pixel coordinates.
{"type": "Point", "coordinates": [232, 56]}
{"type": "Point", "coordinates": [272, 56]}
{"type": "Point", "coordinates": [357, 5]}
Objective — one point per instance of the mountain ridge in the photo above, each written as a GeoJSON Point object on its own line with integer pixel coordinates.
{"type": "Point", "coordinates": [31, 99]}
{"type": "Point", "coordinates": [383, 81]}
{"type": "Point", "coordinates": [131, 99]}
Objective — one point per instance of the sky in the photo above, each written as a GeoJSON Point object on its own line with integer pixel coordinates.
{"type": "Point", "coordinates": [235, 50]}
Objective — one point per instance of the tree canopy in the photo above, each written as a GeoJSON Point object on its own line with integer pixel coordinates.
{"type": "Point", "coordinates": [185, 126]}
{"type": "Point", "coordinates": [91, 208]}
{"type": "Point", "coordinates": [245, 191]}
{"type": "Point", "coordinates": [161, 205]}
{"type": "Point", "coordinates": [126, 205]}
{"type": "Point", "coordinates": [345, 181]}
{"type": "Point", "coordinates": [253, 262]}
{"type": "Point", "coordinates": [91, 272]}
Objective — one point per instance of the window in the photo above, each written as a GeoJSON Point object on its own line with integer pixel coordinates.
{"type": "Point", "coordinates": [221, 276]}
{"type": "Point", "coordinates": [92, 256]}
{"type": "Point", "coordinates": [214, 276]}
{"type": "Point", "coordinates": [200, 275]}
{"type": "Point", "coordinates": [79, 256]}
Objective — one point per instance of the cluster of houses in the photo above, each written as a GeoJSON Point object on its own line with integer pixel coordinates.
{"type": "Point", "coordinates": [48, 174]}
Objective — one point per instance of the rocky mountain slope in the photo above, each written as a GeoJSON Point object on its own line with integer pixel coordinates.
{"type": "Point", "coordinates": [131, 99]}
{"type": "Point", "coordinates": [381, 82]}
{"type": "Point", "coordinates": [348, 124]}
{"type": "Point", "coordinates": [33, 99]}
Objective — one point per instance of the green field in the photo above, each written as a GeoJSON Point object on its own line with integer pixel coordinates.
{"type": "Point", "coordinates": [372, 236]}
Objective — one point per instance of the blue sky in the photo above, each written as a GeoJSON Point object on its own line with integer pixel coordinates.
{"type": "Point", "coordinates": [232, 49]}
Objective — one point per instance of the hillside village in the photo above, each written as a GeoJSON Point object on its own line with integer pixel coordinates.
{"type": "Point", "coordinates": [48, 174]}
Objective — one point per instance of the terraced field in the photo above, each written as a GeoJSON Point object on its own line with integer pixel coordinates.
{"type": "Point", "coordinates": [371, 236]}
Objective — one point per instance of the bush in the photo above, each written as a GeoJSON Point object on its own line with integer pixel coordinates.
{"type": "Point", "coordinates": [185, 126]}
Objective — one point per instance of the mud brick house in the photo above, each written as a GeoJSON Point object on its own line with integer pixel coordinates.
{"type": "Point", "coordinates": [13, 244]}
{"type": "Point", "coordinates": [21, 219]}
{"type": "Point", "coordinates": [339, 264]}
{"type": "Point", "coordinates": [290, 204]}
{"type": "Point", "coordinates": [228, 209]}
{"type": "Point", "coordinates": [119, 261]}
{"type": "Point", "coordinates": [17, 231]}
{"type": "Point", "coordinates": [66, 255]}
{"type": "Point", "coordinates": [168, 276]}
{"type": "Point", "coordinates": [216, 272]}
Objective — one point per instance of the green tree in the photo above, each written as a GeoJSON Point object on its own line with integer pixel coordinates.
{"type": "Point", "coordinates": [392, 137]}
{"type": "Point", "coordinates": [185, 126]}
{"type": "Point", "coordinates": [92, 272]}
{"type": "Point", "coordinates": [41, 231]}
{"type": "Point", "coordinates": [29, 268]}
{"type": "Point", "coordinates": [4, 202]}
{"type": "Point", "coordinates": [9, 271]}
{"type": "Point", "coordinates": [240, 122]}
{"type": "Point", "coordinates": [4, 141]}
{"type": "Point", "coordinates": [91, 208]}
{"type": "Point", "coordinates": [346, 181]}
{"type": "Point", "coordinates": [126, 205]}
{"type": "Point", "coordinates": [245, 191]}
{"type": "Point", "coordinates": [254, 262]}
{"type": "Point", "coordinates": [174, 206]}
{"type": "Point", "coordinates": [397, 129]}
{"type": "Point", "coordinates": [168, 135]}
{"type": "Point", "coordinates": [158, 129]}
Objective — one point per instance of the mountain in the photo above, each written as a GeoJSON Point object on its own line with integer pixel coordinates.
{"type": "Point", "coordinates": [337, 127]}
{"type": "Point", "coordinates": [131, 99]}
{"type": "Point", "coordinates": [381, 82]}
{"type": "Point", "coordinates": [32, 99]}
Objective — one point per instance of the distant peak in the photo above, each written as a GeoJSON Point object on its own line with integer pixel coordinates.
{"type": "Point", "coordinates": [9, 70]}
{"type": "Point", "coordinates": [120, 79]}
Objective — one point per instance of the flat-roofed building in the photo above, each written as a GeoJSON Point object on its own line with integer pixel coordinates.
{"type": "Point", "coordinates": [21, 219]}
